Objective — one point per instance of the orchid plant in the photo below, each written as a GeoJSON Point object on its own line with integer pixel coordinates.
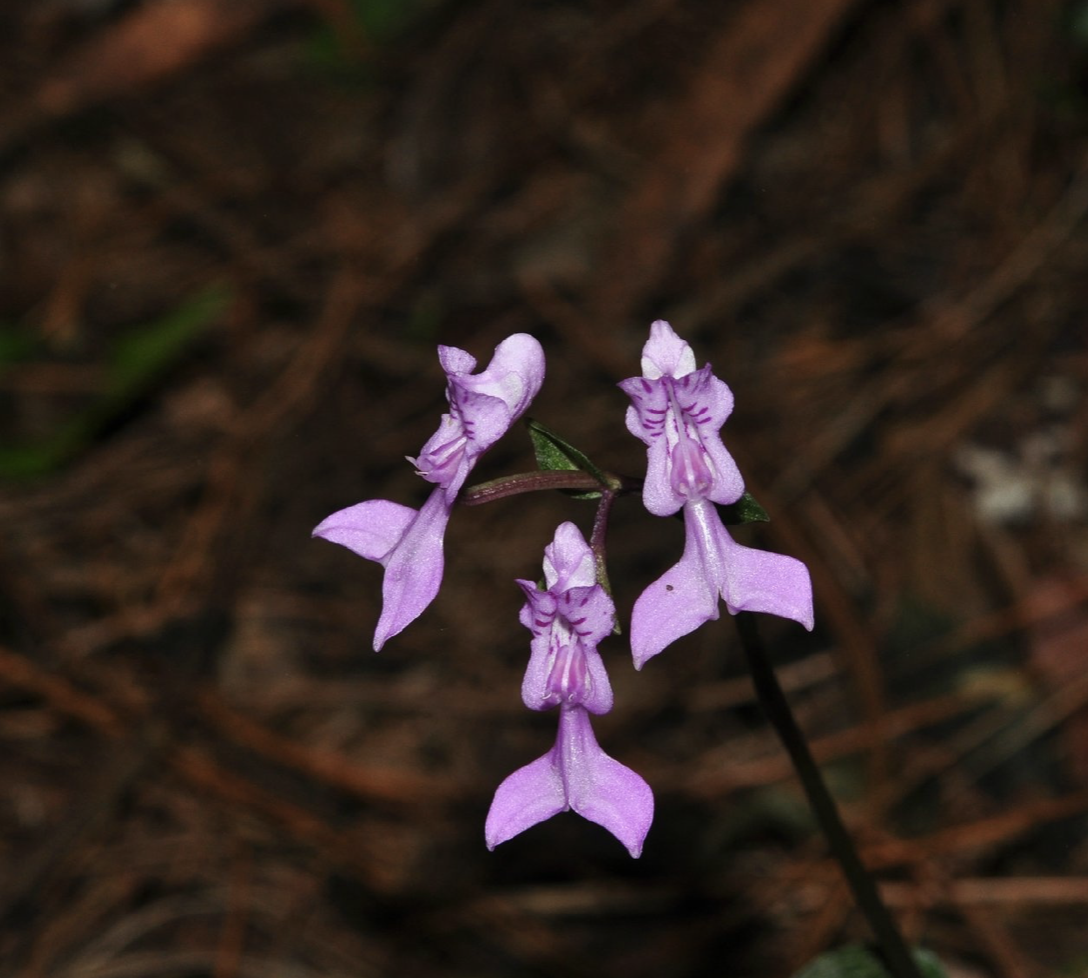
{"type": "Point", "coordinates": [678, 411]}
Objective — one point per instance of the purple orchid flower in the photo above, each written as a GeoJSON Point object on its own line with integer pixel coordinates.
{"type": "Point", "coordinates": [568, 620]}
{"type": "Point", "coordinates": [678, 412]}
{"type": "Point", "coordinates": [408, 542]}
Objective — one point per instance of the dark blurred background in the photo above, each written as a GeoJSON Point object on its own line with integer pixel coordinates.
{"type": "Point", "coordinates": [232, 233]}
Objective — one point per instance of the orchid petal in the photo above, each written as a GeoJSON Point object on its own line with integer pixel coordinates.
{"type": "Point", "coordinates": [444, 458]}
{"type": "Point", "coordinates": [746, 578]}
{"type": "Point", "coordinates": [569, 560]}
{"type": "Point", "coordinates": [577, 677]}
{"type": "Point", "coordinates": [757, 580]}
{"type": "Point", "coordinates": [483, 406]}
{"type": "Point", "coordinates": [678, 411]}
{"type": "Point", "coordinates": [590, 611]}
{"type": "Point", "coordinates": [538, 615]}
{"type": "Point", "coordinates": [530, 795]}
{"type": "Point", "coordinates": [371, 529]}
{"type": "Point", "coordinates": [567, 620]}
{"type": "Point", "coordinates": [599, 787]}
{"type": "Point", "coordinates": [565, 670]}
{"type": "Point", "coordinates": [665, 353]}
{"type": "Point", "coordinates": [513, 376]}
{"type": "Point", "coordinates": [575, 774]}
{"type": "Point", "coordinates": [406, 542]}
{"type": "Point", "coordinates": [455, 362]}
{"type": "Point", "coordinates": [714, 565]}
{"type": "Point", "coordinates": [409, 543]}
{"type": "Point", "coordinates": [677, 603]}
{"type": "Point", "coordinates": [490, 401]}
{"type": "Point", "coordinates": [413, 571]}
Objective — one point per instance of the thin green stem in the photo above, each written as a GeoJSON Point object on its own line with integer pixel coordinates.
{"type": "Point", "coordinates": [892, 947]}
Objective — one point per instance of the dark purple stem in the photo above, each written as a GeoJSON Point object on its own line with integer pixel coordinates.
{"type": "Point", "coordinates": [597, 545]}
{"type": "Point", "coordinates": [514, 485]}
{"type": "Point", "coordinates": [600, 530]}
{"type": "Point", "coordinates": [891, 946]}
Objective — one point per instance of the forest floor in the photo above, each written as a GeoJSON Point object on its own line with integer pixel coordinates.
{"type": "Point", "coordinates": [232, 233]}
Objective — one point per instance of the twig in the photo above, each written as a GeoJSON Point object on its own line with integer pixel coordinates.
{"type": "Point", "coordinates": [892, 947]}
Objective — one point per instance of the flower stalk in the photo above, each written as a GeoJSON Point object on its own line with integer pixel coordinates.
{"type": "Point", "coordinates": [891, 945]}
{"type": "Point", "coordinates": [514, 485]}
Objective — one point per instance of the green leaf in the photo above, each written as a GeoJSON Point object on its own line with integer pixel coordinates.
{"type": "Point", "coordinates": [1077, 20]}
{"type": "Point", "coordinates": [15, 345]}
{"type": "Point", "coordinates": [744, 510]}
{"type": "Point", "coordinates": [384, 20]}
{"type": "Point", "coordinates": [553, 454]}
{"type": "Point", "coordinates": [40, 458]}
{"type": "Point", "coordinates": [144, 354]}
{"type": "Point", "coordinates": [855, 961]}
{"type": "Point", "coordinates": [134, 364]}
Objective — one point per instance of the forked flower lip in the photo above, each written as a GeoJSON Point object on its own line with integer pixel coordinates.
{"type": "Point", "coordinates": [713, 568]}
{"type": "Point", "coordinates": [575, 775]}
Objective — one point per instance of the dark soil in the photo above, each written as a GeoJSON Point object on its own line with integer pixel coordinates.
{"type": "Point", "coordinates": [232, 233]}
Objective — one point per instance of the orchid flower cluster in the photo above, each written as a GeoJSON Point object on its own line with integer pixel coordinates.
{"type": "Point", "coordinates": [678, 412]}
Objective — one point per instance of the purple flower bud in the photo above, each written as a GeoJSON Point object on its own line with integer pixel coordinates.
{"type": "Point", "coordinates": [565, 670]}
{"type": "Point", "coordinates": [408, 542]}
